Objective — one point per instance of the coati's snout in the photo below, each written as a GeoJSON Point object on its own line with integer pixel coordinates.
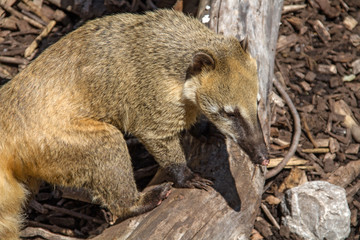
{"type": "Point", "coordinates": [251, 140]}
{"type": "Point", "coordinates": [247, 133]}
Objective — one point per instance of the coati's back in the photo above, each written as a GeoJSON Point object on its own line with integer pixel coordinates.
{"type": "Point", "coordinates": [130, 70]}
{"type": "Point", "coordinates": [138, 58]}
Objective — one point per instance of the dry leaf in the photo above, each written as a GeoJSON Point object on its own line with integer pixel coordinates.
{"type": "Point", "coordinates": [295, 178]}
{"type": "Point", "coordinates": [271, 199]}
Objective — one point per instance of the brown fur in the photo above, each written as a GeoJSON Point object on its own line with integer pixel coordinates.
{"type": "Point", "coordinates": [150, 75]}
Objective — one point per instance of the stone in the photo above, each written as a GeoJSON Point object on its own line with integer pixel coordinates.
{"type": "Point", "coordinates": [316, 210]}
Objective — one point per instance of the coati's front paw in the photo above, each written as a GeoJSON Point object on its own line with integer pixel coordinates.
{"type": "Point", "coordinates": [198, 182]}
{"type": "Point", "coordinates": [155, 195]}
{"type": "Point", "coordinates": [185, 178]}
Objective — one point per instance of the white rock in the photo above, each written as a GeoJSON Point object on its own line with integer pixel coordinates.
{"type": "Point", "coordinates": [317, 210]}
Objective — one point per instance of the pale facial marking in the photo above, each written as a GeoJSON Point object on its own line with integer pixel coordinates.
{"type": "Point", "coordinates": [232, 137]}
{"type": "Point", "coordinates": [229, 108]}
{"type": "Point", "coordinates": [189, 91]}
{"type": "Point", "coordinates": [226, 129]}
{"type": "Point", "coordinates": [213, 109]}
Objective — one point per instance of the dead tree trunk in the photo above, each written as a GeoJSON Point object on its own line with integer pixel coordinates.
{"type": "Point", "coordinates": [228, 211]}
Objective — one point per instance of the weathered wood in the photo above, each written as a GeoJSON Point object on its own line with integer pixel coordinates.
{"type": "Point", "coordinates": [229, 210]}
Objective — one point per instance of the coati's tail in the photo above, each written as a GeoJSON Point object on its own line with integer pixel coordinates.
{"type": "Point", "coordinates": [12, 198]}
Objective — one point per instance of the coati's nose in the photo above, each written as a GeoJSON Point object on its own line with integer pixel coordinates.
{"type": "Point", "coordinates": [263, 160]}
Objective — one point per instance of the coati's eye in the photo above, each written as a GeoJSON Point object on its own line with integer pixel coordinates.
{"type": "Point", "coordinates": [230, 114]}
{"type": "Point", "coordinates": [227, 114]}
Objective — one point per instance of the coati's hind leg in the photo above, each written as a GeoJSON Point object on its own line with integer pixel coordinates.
{"type": "Point", "coordinates": [94, 155]}
{"type": "Point", "coordinates": [12, 197]}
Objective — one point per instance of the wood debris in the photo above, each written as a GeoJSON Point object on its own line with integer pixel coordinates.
{"type": "Point", "coordinates": [30, 49]}
{"type": "Point", "coordinates": [293, 8]}
{"type": "Point", "coordinates": [328, 10]}
{"type": "Point", "coordinates": [295, 178]}
{"type": "Point", "coordinates": [341, 108]}
{"type": "Point", "coordinates": [321, 30]}
{"type": "Point", "coordinates": [350, 22]}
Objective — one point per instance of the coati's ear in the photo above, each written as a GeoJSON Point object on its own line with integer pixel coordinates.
{"type": "Point", "coordinates": [245, 44]}
{"type": "Point", "coordinates": [200, 61]}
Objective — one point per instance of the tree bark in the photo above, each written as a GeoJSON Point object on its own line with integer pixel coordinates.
{"type": "Point", "coordinates": [229, 210]}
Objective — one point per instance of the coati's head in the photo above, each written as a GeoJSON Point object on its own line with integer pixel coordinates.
{"type": "Point", "coordinates": [223, 84]}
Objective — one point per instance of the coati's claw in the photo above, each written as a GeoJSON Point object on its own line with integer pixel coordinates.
{"type": "Point", "coordinates": [164, 190]}
{"type": "Point", "coordinates": [199, 182]}
{"type": "Point", "coordinates": [155, 195]}
{"type": "Point", "coordinates": [185, 178]}
{"type": "Point", "coordinates": [168, 193]}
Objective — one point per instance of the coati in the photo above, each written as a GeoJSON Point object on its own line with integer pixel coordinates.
{"type": "Point", "coordinates": [63, 117]}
